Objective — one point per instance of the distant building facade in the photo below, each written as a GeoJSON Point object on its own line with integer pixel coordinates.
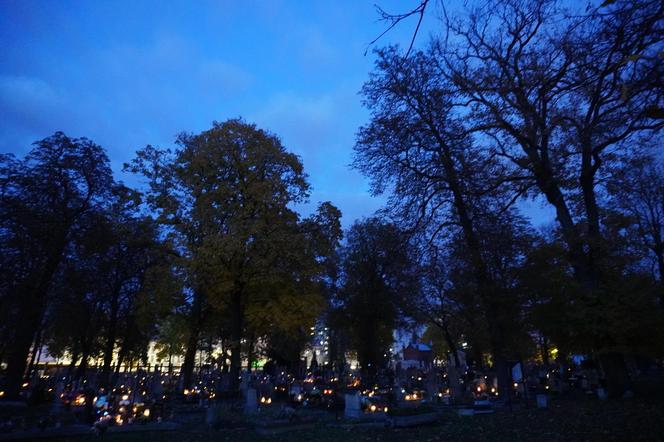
{"type": "Point", "coordinates": [417, 355]}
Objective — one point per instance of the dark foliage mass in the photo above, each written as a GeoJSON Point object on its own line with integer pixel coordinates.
{"type": "Point", "coordinates": [514, 103]}
{"type": "Point", "coordinates": [521, 100]}
{"type": "Point", "coordinates": [210, 251]}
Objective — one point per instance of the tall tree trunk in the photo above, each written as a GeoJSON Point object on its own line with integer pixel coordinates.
{"type": "Point", "coordinates": [31, 308]}
{"type": "Point", "coordinates": [237, 328]}
{"type": "Point", "coordinates": [36, 348]}
{"type": "Point", "coordinates": [452, 373]}
{"type": "Point", "coordinates": [192, 341]}
{"type": "Point", "coordinates": [659, 252]}
{"type": "Point", "coordinates": [615, 372]}
{"type": "Point", "coordinates": [72, 364]}
{"type": "Point", "coordinates": [587, 182]}
{"type": "Point", "coordinates": [83, 366]}
{"type": "Point", "coordinates": [584, 262]}
{"type": "Point", "coordinates": [494, 311]}
{"type": "Point", "coordinates": [250, 353]}
{"type": "Point", "coordinates": [190, 358]}
{"type": "Point", "coordinates": [550, 187]}
{"type": "Point", "coordinates": [121, 357]}
{"type": "Point", "coordinates": [544, 344]}
{"type": "Point", "coordinates": [111, 335]}
{"type": "Point", "coordinates": [18, 351]}
{"type": "Point", "coordinates": [29, 320]}
{"type": "Point", "coordinates": [451, 344]}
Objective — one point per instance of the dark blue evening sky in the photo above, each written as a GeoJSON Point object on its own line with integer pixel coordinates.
{"type": "Point", "coordinates": [129, 73]}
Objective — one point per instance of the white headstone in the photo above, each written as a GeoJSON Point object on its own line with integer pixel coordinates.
{"type": "Point", "coordinates": [244, 383]}
{"type": "Point", "coordinates": [461, 355]}
{"type": "Point", "coordinates": [251, 404]}
{"type": "Point", "coordinates": [57, 403]}
{"type": "Point", "coordinates": [517, 374]}
{"type": "Point", "coordinates": [453, 381]}
{"type": "Point", "coordinates": [601, 394]}
{"type": "Point", "coordinates": [295, 389]}
{"type": "Point", "coordinates": [542, 401]}
{"type": "Point", "coordinates": [212, 416]}
{"type": "Point", "coordinates": [353, 408]}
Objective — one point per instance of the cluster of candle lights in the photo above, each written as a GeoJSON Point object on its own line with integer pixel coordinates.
{"type": "Point", "coordinates": [374, 408]}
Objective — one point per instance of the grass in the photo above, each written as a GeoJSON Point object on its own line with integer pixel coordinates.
{"type": "Point", "coordinates": [412, 411]}
{"type": "Point", "coordinates": [565, 420]}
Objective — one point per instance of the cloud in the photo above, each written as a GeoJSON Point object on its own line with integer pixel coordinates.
{"type": "Point", "coordinates": [316, 51]}
{"type": "Point", "coordinates": [31, 109]}
{"type": "Point", "coordinates": [310, 126]}
{"type": "Point", "coordinates": [224, 79]}
{"type": "Point", "coordinates": [354, 204]}
{"type": "Point", "coordinates": [139, 78]}
{"type": "Point", "coordinates": [307, 122]}
{"type": "Point", "coordinates": [24, 95]}
{"type": "Point", "coordinates": [321, 130]}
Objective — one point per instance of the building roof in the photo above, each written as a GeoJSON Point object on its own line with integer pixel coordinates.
{"type": "Point", "coordinates": [420, 347]}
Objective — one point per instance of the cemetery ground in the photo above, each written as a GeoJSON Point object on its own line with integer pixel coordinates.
{"type": "Point", "coordinates": [568, 419]}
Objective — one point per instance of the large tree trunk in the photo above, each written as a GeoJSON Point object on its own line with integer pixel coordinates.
{"type": "Point", "coordinates": [31, 308]}
{"type": "Point", "coordinates": [250, 353]}
{"type": "Point", "coordinates": [587, 182]}
{"type": "Point", "coordinates": [72, 364]}
{"type": "Point", "coordinates": [31, 311]}
{"type": "Point", "coordinates": [85, 354]}
{"type": "Point", "coordinates": [121, 356]}
{"type": "Point", "coordinates": [486, 288]}
{"type": "Point", "coordinates": [192, 342]}
{"type": "Point", "coordinates": [495, 312]}
{"type": "Point", "coordinates": [659, 252]}
{"type": "Point", "coordinates": [451, 343]}
{"type": "Point", "coordinates": [615, 372]}
{"type": "Point", "coordinates": [452, 373]}
{"type": "Point", "coordinates": [584, 259]}
{"type": "Point", "coordinates": [36, 348]}
{"type": "Point", "coordinates": [544, 345]}
{"type": "Point", "coordinates": [111, 335]}
{"type": "Point", "coordinates": [190, 358]}
{"type": "Point", "coordinates": [660, 262]}
{"type": "Point", "coordinates": [237, 328]}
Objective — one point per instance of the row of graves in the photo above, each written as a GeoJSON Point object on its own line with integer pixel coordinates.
{"type": "Point", "coordinates": [403, 395]}
{"type": "Point", "coordinates": [143, 398]}
{"type": "Point", "coordinates": [57, 403]}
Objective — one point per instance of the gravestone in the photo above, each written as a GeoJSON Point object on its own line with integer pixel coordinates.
{"type": "Point", "coordinates": [212, 415]}
{"type": "Point", "coordinates": [482, 406]}
{"type": "Point", "coordinates": [353, 408]}
{"type": "Point", "coordinates": [266, 389]}
{"type": "Point", "coordinates": [244, 383]}
{"type": "Point", "coordinates": [250, 404]}
{"type": "Point", "coordinates": [542, 401]}
{"type": "Point", "coordinates": [225, 382]}
{"type": "Point", "coordinates": [453, 382]}
{"type": "Point", "coordinates": [157, 388]}
{"type": "Point", "coordinates": [295, 389]}
{"type": "Point", "coordinates": [431, 384]}
{"type": "Point", "coordinates": [601, 394]}
{"type": "Point", "coordinates": [57, 402]}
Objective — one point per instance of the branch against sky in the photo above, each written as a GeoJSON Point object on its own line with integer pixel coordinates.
{"type": "Point", "coordinates": [394, 19]}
